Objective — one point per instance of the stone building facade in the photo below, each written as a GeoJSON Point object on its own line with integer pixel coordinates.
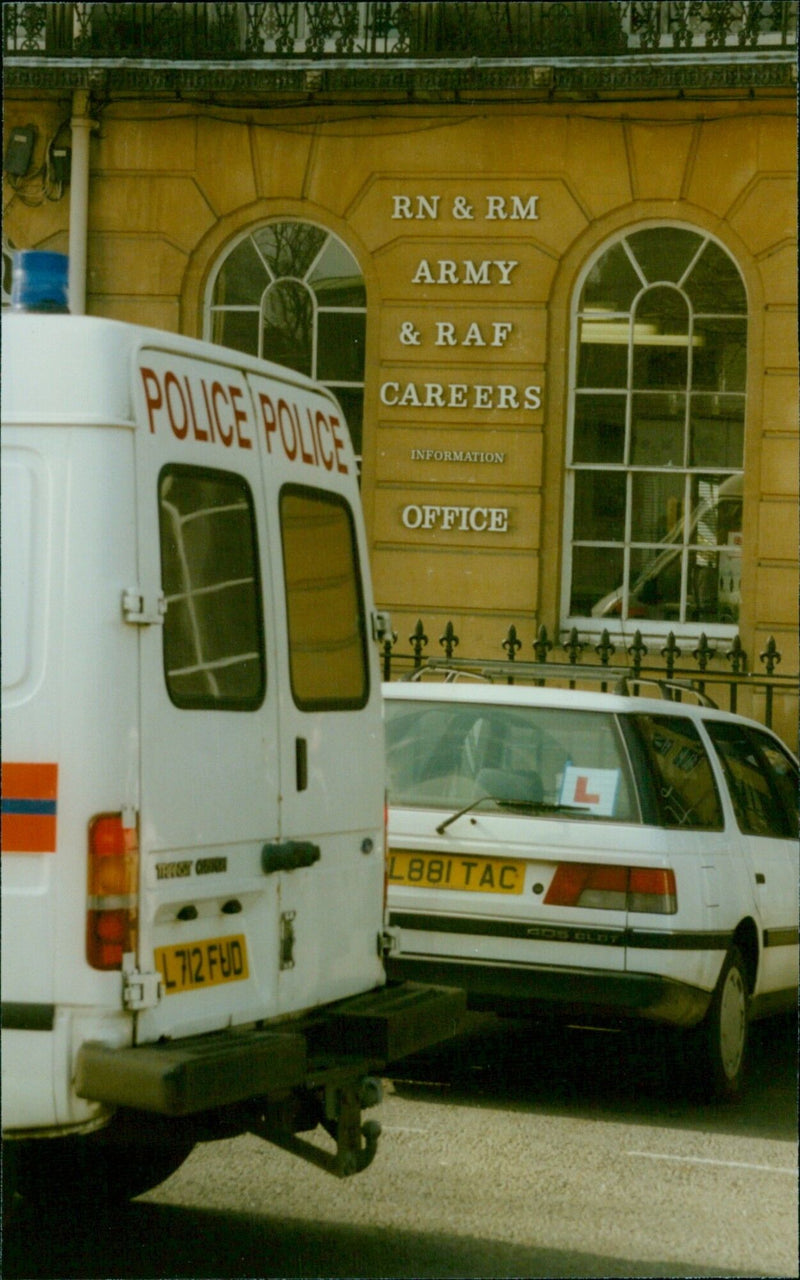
{"type": "Point", "coordinates": [555, 290]}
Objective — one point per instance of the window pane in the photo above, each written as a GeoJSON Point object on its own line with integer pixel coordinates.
{"type": "Point", "coordinates": [716, 431]}
{"type": "Point", "coordinates": [596, 581]}
{"type": "Point", "coordinates": [340, 346]}
{"type": "Point", "coordinates": [213, 632]}
{"type": "Point", "coordinates": [289, 247]}
{"type": "Point", "coordinates": [664, 253]}
{"type": "Point", "coordinates": [287, 319]}
{"type": "Point", "coordinates": [336, 279]}
{"type": "Point", "coordinates": [324, 601]}
{"type": "Point", "coordinates": [687, 794]}
{"type": "Point", "coordinates": [661, 340]}
{"type": "Point", "coordinates": [761, 780]}
{"type": "Point", "coordinates": [719, 355]}
{"type": "Point", "coordinates": [655, 590]}
{"type": "Point", "coordinates": [657, 430]}
{"type": "Point", "coordinates": [599, 434]}
{"type": "Point", "coordinates": [714, 575]}
{"type": "Point", "coordinates": [600, 506]}
{"type": "Point", "coordinates": [236, 329]}
{"type": "Point", "coordinates": [612, 283]}
{"type": "Point", "coordinates": [656, 507]}
{"type": "Point", "coordinates": [352, 401]}
{"type": "Point", "coordinates": [603, 352]}
{"type": "Point", "coordinates": [242, 278]}
{"type": "Point", "coordinates": [714, 284]}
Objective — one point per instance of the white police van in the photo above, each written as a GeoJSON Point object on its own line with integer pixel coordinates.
{"type": "Point", "coordinates": [193, 787]}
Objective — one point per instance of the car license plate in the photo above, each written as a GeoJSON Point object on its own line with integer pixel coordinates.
{"type": "Point", "coordinates": [195, 965]}
{"type": "Point", "coordinates": [448, 871]}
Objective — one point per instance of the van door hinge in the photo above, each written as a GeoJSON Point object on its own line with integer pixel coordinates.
{"type": "Point", "coordinates": [143, 610]}
{"type": "Point", "coordinates": [139, 990]}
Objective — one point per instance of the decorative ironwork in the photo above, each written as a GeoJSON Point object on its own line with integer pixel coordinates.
{"type": "Point", "coordinates": [327, 29]}
{"type": "Point", "coordinates": [720, 670]}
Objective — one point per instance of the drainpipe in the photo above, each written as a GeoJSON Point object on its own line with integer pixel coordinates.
{"type": "Point", "coordinates": [81, 125]}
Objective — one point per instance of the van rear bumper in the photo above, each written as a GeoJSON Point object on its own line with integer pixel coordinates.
{"type": "Point", "coordinates": [526, 990]}
{"type": "Point", "coordinates": [354, 1037]}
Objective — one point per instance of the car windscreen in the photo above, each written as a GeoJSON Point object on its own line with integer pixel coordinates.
{"type": "Point", "coordinates": [559, 762]}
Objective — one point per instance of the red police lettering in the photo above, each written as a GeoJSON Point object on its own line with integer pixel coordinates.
{"type": "Point", "coordinates": [217, 391]}
{"type": "Point", "coordinates": [181, 428]}
{"type": "Point", "coordinates": [320, 424]}
{"type": "Point", "coordinates": [310, 458]}
{"type": "Point", "coordinates": [339, 443]}
{"type": "Point", "coordinates": [154, 400]}
{"type": "Point", "coordinates": [284, 412]}
{"type": "Point", "coordinates": [239, 416]}
{"type": "Point", "coordinates": [268, 418]}
{"type": "Point", "coordinates": [198, 434]}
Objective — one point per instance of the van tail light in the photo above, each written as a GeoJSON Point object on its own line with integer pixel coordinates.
{"type": "Point", "coordinates": [113, 897]}
{"type": "Point", "coordinates": [613, 888]}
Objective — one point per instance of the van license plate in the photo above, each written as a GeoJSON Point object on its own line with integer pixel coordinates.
{"type": "Point", "coordinates": [448, 871]}
{"type": "Point", "coordinates": [194, 965]}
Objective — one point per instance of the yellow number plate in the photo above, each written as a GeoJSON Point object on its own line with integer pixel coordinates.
{"type": "Point", "coordinates": [446, 871]}
{"type": "Point", "coordinates": [196, 965]}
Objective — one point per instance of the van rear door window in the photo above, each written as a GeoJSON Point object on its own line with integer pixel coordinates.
{"type": "Point", "coordinates": [213, 631]}
{"type": "Point", "coordinates": [324, 601]}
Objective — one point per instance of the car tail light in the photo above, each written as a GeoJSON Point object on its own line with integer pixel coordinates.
{"type": "Point", "coordinates": [652, 889]}
{"type": "Point", "coordinates": [613, 888]}
{"type": "Point", "coordinates": [112, 891]}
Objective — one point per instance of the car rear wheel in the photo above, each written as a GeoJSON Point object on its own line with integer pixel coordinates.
{"type": "Point", "coordinates": [720, 1042]}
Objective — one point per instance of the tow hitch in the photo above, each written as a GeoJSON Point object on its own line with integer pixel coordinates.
{"type": "Point", "coordinates": [356, 1143]}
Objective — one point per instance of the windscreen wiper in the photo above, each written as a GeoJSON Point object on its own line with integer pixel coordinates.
{"type": "Point", "coordinates": [537, 806]}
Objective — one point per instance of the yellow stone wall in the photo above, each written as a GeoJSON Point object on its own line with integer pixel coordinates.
{"type": "Point", "coordinates": [171, 184]}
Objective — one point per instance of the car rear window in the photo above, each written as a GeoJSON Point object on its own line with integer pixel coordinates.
{"type": "Point", "coordinates": [571, 764]}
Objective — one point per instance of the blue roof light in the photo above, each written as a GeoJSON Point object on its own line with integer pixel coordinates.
{"type": "Point", "coordinates": [40, 281]}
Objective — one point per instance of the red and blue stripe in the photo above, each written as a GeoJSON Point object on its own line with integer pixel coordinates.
{"type": "Point", "coordinates": [29, 808]}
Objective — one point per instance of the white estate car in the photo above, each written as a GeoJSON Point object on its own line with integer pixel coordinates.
{"type": "Point", "coordinates": [595, 856]}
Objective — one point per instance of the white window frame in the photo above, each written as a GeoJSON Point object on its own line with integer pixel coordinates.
{"type": "Point", "coordinates": [625, 628]}
{"type": "Point", "coordinates": [210, 309]}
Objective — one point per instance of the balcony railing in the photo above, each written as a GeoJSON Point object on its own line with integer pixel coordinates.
{"type": "Point", "coordinates": [444, 30]}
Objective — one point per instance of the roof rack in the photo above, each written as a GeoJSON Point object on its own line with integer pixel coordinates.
{"type": "Point", "coordinates": [618, 678]}
{"type": "Point", "coordinates": [504, 669]}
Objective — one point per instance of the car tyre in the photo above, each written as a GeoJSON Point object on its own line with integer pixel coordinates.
{"type": "Point", "coordinates": [720, 1042]}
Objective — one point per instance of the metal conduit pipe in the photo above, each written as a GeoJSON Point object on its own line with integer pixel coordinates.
{"type": "Point", "coordinates": [82, 126]}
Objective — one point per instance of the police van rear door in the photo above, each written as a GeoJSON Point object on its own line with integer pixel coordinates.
{"type": "Point", "coordinates": [208, 913]}
{"type": "Point", "coordinates": [329, 865]}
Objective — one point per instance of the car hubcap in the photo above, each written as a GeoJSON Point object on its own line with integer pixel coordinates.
{"type": "Point", "coordinates": [732, 1023]}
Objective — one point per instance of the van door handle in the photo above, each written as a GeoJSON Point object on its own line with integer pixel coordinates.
{"type": "Point", "coordinates": [760, 878]}
{"type": "Point", "coordinates": [288, 855]}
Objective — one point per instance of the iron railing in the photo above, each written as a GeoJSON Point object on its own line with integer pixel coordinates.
{"type": "Point", "coordinates": [448, 29]}
{"type": "Point", "coordinates": [718, 671]}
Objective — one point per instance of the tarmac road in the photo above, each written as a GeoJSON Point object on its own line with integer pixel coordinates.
{"type": "Point", "coordinates": [512, 1152]}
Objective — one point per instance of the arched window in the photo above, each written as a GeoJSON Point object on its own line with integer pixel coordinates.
{"type": "Point", "coordinates": [656, 437]}
{"type": "Point", "coordinates": [293, 293]}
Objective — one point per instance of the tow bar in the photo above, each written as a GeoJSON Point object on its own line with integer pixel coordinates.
{"type": "Point", "coordinates": [356, 1143]}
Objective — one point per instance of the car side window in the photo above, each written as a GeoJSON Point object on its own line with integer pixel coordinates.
{"type": "Point", "coordinates": [761, 777]}
{"type": "Point", "coordinates": [684, 791]}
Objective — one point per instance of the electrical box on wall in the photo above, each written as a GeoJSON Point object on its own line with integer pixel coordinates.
{"type": "Point", "coordinates": [60, 164]}
{"type": "Point", "coordinates": [19, 151]}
